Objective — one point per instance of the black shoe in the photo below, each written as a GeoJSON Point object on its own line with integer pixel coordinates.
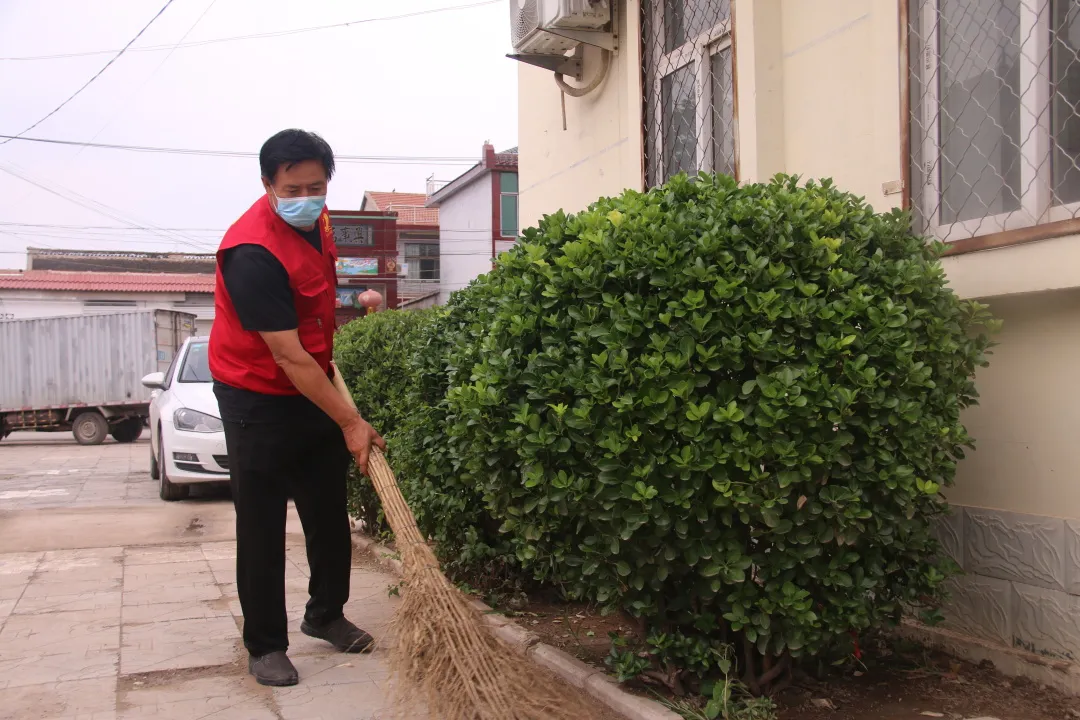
{"type": "Point", "coordinates": [340, 633]}
{"type": "Point", "coordinates": [274, 669]}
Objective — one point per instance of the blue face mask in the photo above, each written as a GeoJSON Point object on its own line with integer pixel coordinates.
{"type": "Point", "coordinates": [300, 211]}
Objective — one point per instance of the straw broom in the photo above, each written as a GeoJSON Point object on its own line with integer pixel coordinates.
{"type": "Point", "coordinates": [445, 661]}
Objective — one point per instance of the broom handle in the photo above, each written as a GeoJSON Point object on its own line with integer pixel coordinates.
{"type": "Point", "coordinates": [397, 512]}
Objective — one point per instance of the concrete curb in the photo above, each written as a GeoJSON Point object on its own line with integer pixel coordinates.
{"type": "Point", "coordinates": [584, 677]}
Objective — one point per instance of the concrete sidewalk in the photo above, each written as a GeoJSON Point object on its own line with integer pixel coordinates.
{"type": "Point", "coordinates": [119, 633]}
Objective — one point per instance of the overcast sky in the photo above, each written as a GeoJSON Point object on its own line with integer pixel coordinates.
{"type": "Point", "coordinates": [435, 85]}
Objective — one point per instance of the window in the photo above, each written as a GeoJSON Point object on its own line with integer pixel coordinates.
{"type": "Point", "coordinates": [196, 367]}
{"type": "Point", "coordinates": [689, 92]}
{"type": "Point", "coordinates": [172, 367]}
{"type": "Point", "coordinates": [508, 204]}
{"type": "Point", "coordinates": [995, 114]}
{"type": "Point", "coordinates": [422, 260]}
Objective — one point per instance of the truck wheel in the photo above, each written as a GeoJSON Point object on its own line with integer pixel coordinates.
{"type": "Point", "coordinates": [90, 428]}
{"type": "Point", "coordinates": [166, 490]}
{"type": "Point", "coordinates": [127, 431]}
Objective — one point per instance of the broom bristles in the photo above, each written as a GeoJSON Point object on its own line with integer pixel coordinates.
{"type": "Point", "coordinates": [444, 660]}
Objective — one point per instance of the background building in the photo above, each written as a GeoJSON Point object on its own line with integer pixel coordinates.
{"type": "Point", "coordinates": [478, 213]}
{"type": "Point", "coordinates": [417, 240]}
{"type": "Point", "coordinates": [119, 261]}
{"type": "Point", "coordinates": [367, 259]}
{"type": "Point", "coordinates": [56, 293]}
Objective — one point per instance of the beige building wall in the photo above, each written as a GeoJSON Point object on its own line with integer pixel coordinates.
{"type": "Point", "coordinates": [600, 151]}
{"type": "Point", "coordinates": [809, 102]}
{"type": "Point", "coordinates": [841, 98]}
{"type": "Point", "coordinates": [1028, 418]}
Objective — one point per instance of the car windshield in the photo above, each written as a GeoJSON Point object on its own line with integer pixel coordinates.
{"type": "Point", "coordinates": [196, 367]}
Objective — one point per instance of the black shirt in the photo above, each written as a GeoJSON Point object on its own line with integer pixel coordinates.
{"type": "Point", "coordinates": [258, 286]}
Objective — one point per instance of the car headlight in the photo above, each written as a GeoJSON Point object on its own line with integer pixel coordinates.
{"type": "Point", "coordinates": [195, 421]}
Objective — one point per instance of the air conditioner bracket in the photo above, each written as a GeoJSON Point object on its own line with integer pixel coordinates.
{"type": "Point", "coordinates": [568, 65]}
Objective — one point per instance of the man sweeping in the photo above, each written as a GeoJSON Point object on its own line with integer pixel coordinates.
{"type": "Point", "coordinates": [288, 431]}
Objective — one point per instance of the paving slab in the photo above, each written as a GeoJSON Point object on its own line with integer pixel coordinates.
{"type": "Point", "coordinates": [164, 612]}
{"type": "Point", "coordinates": [59, 634]}
{"type": "Point", "coordinates": [113, 608]}
{"type": "Point", "coordinates": [179, 644]}
{"type": "Point", "coordinates": [92, 699]}
{"type": "Point", "coordinates": [61, 601]}
{"type": "Point", "coordinates": [31, 668]}
{"type": "Point", "coordinates": [362, 700]}
{"type": "Point", "coordinates": [212, 698]}
{"type": "Point", "coordinates": [170, 554]}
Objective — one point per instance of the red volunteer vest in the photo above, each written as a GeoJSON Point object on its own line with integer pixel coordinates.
{"type": "Point", "coordinates": [241, 358]}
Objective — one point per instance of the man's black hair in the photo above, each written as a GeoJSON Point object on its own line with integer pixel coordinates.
{"type": "Point", "coordinates": [293, 146]}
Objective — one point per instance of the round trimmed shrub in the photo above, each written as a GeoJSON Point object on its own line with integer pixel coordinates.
{"type": "Point", "coordinates": [729, 410]}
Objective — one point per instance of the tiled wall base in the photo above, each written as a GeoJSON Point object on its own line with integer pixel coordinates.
{"type": "Point", "coordinates": [1020, 590]}
{"type": "Point", "coordinates": [1060, 674]}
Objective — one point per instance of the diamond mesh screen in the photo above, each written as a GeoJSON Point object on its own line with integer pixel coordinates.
{"type": "Point", "coordinates": [995, 114]}
{"type": "Point", "coordinates": [689, 93]}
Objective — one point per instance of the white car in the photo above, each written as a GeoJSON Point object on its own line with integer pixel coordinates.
{"type": "Point", "coordinates": [187, 441]}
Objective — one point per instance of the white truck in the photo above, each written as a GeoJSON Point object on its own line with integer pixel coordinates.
{"type": "Point", "coordinates": [84, 373]}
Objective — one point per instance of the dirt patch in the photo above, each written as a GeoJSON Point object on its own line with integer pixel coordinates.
{"type": "Point", "coordinates": [364, 560]}
{"type": "Point", "coordinates": [158, 678]}
{"type": "Point", "coordinates": [911, 683]}
{"type": "Point", "coordinates": [896, 680]}
{"type": "Point", "coordinates": [899, 680]}
{"type": "Point", "coordinates": [575, 628]}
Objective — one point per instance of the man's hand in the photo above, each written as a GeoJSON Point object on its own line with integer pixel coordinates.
{"type": "Point", "coordinates": [359, 437]}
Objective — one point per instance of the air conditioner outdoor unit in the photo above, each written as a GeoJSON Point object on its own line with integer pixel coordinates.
{"type": "Point", "coordinates": [536, 26]}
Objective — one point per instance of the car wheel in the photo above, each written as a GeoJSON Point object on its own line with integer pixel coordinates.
{"type": "Point", "coordinates": [90, 428]}
{"type": "Point", "coordinates": [127, 431]}
{"type": "Point", "coordinates": [167, 490]}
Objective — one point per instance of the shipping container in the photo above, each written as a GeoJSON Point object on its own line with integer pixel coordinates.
{"type": "Point", "coordinates": [84, 373]}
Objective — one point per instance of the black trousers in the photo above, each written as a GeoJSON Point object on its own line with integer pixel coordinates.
{"type": "Point", "coordinates": [268, 462]}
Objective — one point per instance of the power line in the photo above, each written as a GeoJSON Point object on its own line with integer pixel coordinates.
{"type": "Point", "coordinates": [146, 82]}
{"type": "Point", "coordinates": [97, 75]}
{"type": "Point", "coordinates": [372, 159]}
{"type": "Point", "coordinates": [122, 235]}
{"type": "Point", "coordinates": [255, 36]}
{"type": "Point", "coordinates": [105, 227]}
{"type": "Point", "coordinates": [92, 205]}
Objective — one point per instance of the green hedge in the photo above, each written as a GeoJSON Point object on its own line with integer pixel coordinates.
{"type": "Point", "coordinates": [728, 410]}
{"type": "Point", "coordinates": [373, 356]}
{"type": "Point", "coordinates": [448, 504]}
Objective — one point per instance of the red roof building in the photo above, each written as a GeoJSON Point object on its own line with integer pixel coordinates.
{"type": "Point", "coordinates": [55, 293]}
{"type": "Point", "coordinates": [107, 282]}
{"type": "Point", "coordinates": [417, 240]}
{"type": "Point", "coordinates": [367, 259]}
{"type": "Point", "coordinates": [409, 207]}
